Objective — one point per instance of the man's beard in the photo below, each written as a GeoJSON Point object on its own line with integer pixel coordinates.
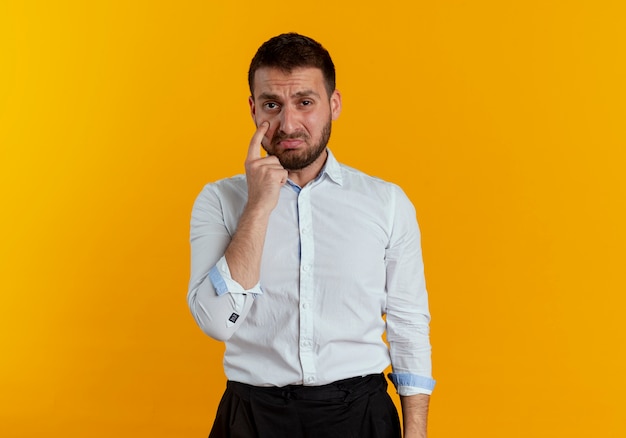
{"type": "Point", "coordinates": [296, 159]}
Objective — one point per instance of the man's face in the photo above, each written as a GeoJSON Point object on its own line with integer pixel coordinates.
{"type": "Point", "coordinates": [297, 106]}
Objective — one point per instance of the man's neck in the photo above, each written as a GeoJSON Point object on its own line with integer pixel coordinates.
{"type": "Point", "coordinates": [303, 176]}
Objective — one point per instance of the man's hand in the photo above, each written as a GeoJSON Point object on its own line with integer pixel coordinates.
{"type": "Point", "coordinates": [265, 175]}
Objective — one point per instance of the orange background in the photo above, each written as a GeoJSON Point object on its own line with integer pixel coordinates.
{"type": "Point", "coordinates": [502, 120]}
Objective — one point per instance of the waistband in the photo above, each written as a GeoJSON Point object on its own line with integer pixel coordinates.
{"type": "Point", "coordinates": [341, 390]}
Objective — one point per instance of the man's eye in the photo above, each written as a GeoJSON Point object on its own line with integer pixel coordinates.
{"type": "Point", "coordinates": [271, 105]}
{"type": "Point", "coordinates": [306, 103]}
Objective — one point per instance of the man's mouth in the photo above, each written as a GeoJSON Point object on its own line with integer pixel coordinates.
{"type": "Point", "coordinates": [291, 143]}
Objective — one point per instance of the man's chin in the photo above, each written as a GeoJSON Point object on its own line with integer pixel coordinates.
{"type": "Point", "coordinates": [294, 160]}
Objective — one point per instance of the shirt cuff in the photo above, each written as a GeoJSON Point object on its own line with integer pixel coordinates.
{"type": "Point", "coordinates": [223, 283]}
{"type": "Point", "coordinates": [412, 384]}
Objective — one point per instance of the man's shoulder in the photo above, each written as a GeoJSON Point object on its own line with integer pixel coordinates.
{"type": "Point", "coordinates": [357, 178]}
{"type": "Point", "coordinates": [233, 189]}
{"type": "Point", "coordinates": [229, 181]}
{"type": "Point", "coordinates": [236, 182]}
{"type": "Point", "coordinates": [376, 189]}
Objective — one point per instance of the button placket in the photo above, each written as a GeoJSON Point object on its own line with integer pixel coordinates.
{"type": "Point", "coordinates": [307, 253]}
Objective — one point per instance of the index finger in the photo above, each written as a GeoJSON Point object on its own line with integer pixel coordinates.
{"type": "Point", "coordinates": [254, 153]}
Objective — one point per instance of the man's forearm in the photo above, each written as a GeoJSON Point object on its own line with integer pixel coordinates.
{"type": "Point", "coordinates": [244, 252]}
{"type": "Point", "coordinates": [415, 415]}
{"type": "Point", "coordinates": [265, 176]}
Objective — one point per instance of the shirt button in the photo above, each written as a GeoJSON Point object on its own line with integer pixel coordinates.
{"type": "Point", "coordinates": [309, 379]}
{"type": "Point", "coordinates": [305, 305]}
{"type": "Point", "coordinates": [306, 268]}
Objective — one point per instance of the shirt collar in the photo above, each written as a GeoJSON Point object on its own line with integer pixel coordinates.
{"type": "Point", "coordinates": [332, 169]}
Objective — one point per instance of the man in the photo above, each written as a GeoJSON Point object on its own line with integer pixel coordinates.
{"type": "Point", "coordinates": [295, 264]}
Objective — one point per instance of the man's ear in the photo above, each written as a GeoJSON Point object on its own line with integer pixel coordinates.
{"type": "Point", "coordinates": [252, 107]}
{"type": "Point", "coordinates": [335, 104]}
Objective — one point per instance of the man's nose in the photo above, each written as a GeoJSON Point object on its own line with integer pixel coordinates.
{"type": "Point", "coordinates": [288, 120]}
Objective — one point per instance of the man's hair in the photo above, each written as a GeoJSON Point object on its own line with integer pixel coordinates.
{"type": "Point", "coordinates": [289, 51]}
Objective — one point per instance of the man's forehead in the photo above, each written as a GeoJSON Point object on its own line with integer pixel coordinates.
{"type": "Point", "coordinates": [298, 80]}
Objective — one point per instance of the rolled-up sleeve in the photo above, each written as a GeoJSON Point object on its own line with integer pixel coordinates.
{"type": "Point", "coordinates": [408, 316]}
{"type": "Point", "coordinates": [217, 302]}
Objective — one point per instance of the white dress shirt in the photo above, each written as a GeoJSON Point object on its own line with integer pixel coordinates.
{"type": "Point", "coordinates": [342, 264]}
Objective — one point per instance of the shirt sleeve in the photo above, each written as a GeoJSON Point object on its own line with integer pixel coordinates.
{"type": "Point", "coordinates": [408, 316]}
{"type": "Point", "coordinates": [217, 302]}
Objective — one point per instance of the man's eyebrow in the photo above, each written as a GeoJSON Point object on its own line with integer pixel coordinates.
{"type": "Point", "coordinates": [303, 93]}
{"type": "Point", "coordinates": [268, 96]}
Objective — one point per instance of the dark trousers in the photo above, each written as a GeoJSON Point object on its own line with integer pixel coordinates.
{"type": "Point", "coordinates": [353, 408]}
